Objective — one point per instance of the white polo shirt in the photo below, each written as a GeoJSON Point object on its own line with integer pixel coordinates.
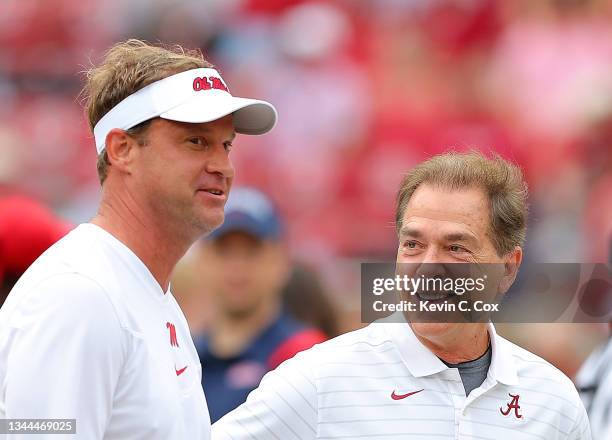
{"type": "Point", "coordinates": [594, 380]}
{"type": "Point", "coordinates": [380, 382]}
{"type": "Point", "coordinates": [88, 334]}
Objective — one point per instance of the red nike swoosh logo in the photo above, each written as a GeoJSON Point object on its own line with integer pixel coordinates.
{"type": "Point", "coordinates": [402, 396]}
{"type": "Point", "coordinates": [179, 372]}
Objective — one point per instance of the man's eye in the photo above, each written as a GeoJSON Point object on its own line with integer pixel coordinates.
{"type": "Point", "coordinates": [455, 248]}
{"type": "Point", "coordinates": [410, 244]}
{"type": "Point", "coordinates": [228, 146]}
{"type": "Point", "coordinates": [197, 141]}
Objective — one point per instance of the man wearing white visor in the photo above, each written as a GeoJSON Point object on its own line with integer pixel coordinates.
{"type": "Point", "coordinates": [91, 333]}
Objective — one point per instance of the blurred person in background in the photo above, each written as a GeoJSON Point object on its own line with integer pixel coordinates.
{"type": "Point", "coordinates": [27, 229]}
{"type": "Point", "coordinates": [92, 332]}
{"type": "Point", "coordinates": [594, 382]}
{"type": "Point", "coordinates": [246, 266]}
{"type": "Point", "coordinates": [306, 298]}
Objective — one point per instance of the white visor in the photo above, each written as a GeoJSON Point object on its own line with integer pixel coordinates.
{"type": "Point", "coordinates": [195, 96]}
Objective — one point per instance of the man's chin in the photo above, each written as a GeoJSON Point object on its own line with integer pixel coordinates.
{"type": "Point", "coordinates": [209, 221]}
{"type": "Point", "coordinates": [432, 329]}
{"type": "Point", "coordinates": [239, 313]}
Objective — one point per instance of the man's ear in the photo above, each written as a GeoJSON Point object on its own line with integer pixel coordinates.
{"type": "Point", "coordinates": [512, 262]}
{"type": "Point", "coordinates": [120, 148]}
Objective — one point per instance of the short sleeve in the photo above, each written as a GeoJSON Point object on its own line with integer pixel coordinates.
{"type": "Point", "coordinates": [65, 356]}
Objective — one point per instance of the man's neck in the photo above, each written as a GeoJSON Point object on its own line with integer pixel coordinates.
{"type": "Point", "coordinates": [230, 335]}
{"type": "Point", "coordinates": [468, 342]}
{"type": "Point", "coordinates": [156, 246]}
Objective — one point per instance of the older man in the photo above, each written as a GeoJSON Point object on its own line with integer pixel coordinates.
{"type": "Point", "coordinates": [426, 379]}
{"type": "Point", "coordinates": [92, 333]}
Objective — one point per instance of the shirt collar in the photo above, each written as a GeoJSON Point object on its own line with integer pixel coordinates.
{"type": "Point", "coordinates": [503, 366]}
{"type": "Point", "coordinates": [421, 362]}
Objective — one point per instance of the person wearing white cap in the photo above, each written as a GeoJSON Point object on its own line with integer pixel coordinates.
{"type": "Point", "coordinates": [92, 333]}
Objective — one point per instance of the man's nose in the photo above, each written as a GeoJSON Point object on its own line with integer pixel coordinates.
{"type": "Point", "coordinates": [219, 162]}
{"type": "Point", "coordinates": [433, 255]}
{"type": "Point", "coordinates": [432, 264]}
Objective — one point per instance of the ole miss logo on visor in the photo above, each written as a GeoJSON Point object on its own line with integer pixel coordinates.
{"type": "Point", "coordinates": [207, 83]}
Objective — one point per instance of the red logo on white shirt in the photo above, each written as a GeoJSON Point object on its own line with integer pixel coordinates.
{"type": "Point", "coordinates": [513, 405]}
{"type": "Point", "coordinates": [172, 329]}
{"type": "Point", "coordinates": [402, 396]}
{"type": "Point", "coordinates": [181, 371]}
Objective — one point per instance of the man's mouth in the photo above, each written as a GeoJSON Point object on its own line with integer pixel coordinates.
{"type": "Point", "coordinates": [215, 191]}
{"type": "Point", "coordinates": [434, 295]}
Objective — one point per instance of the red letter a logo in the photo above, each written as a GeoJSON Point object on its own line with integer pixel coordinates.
{"type": "Point", "coordinates": [513, 405]}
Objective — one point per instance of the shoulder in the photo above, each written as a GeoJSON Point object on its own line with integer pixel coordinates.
{"type": "Point", "coordinates": [78, 252]}
{"type": "Point", "coordinates": [371, 337]}
{"type": "Point", "coordinates": [369, 345]}
{"type": "Point", "coordinates": [540, 376]}
{"type": "Point", "coordinates": [57, 295]}
{"type": "Point", "coordinates": [75, 275]}
{"type": "Point", "coordinates": [528, 363]}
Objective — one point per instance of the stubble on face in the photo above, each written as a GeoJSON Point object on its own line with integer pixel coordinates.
{"type": "Point", "coordinates": [177, 165]}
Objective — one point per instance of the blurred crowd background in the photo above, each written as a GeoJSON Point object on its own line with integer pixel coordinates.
{"type": "Point", "coordinates": [365, 89]}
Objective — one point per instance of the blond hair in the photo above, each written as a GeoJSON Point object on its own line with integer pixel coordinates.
{"type": "Point", "coordinates": [126, 68]}
{"type": "Point", "coordinates": [501, 180]}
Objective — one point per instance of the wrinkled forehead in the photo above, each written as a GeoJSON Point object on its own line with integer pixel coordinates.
{"type": "Point", "coordinates": [443, 211]}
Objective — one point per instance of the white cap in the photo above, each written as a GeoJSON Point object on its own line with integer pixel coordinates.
{"type": "Point", "coordinates": [197, 95]}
